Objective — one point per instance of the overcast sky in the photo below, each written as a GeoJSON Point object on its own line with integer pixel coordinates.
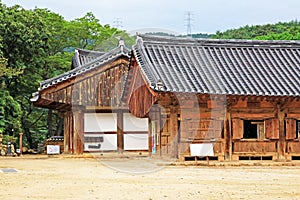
{"type": "Point", "coordinates": [208, 16]}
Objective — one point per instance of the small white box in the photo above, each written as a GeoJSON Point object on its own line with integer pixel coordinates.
{"type": "Point", "coordinates": [53, 149]}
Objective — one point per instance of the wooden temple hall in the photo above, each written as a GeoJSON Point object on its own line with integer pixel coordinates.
{"type": "Point", "coordinates": [182, 98]}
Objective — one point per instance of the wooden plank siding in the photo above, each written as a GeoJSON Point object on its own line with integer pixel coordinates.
{"type": "Point", "coordinates": [203, 120]}
{"type": "Point", "coordinates": [140, 97]}
{"type": "Point", "coordinates": [96, 89]}
{"type": "Point", "coordinates": [101, 87]}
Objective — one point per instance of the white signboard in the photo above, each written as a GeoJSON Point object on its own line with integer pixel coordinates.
{"type": "Point", "coordinates": [206, 149]}
{"type": "Point", "coordinates": [53, 149]}
{"type": "Point", "coordinates": [134, 124]}
{"type": "Point", "coordinates": [136, 142]}
{"type": "Point", "coordinates": [100, 122]}
{"type": "Point", "coordinates": [108, 142]}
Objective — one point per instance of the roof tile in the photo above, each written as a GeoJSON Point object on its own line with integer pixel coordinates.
{"type": "Point", "coordinates": [237, 67]}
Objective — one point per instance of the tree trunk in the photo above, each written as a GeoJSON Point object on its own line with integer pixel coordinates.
{"type": "Point", "coordinates": [26, 132]}
{"type": "Point", "coordinates": [50, 127]}
{"type": "Point", "coordinates": [28, 137]}
{"type": "Point", "coordinates": [59, 127]}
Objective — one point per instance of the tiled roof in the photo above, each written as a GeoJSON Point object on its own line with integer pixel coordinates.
{"type": "Point", "coordinates": [86, 65]}
{"type": "Point", "coordinates": [210, 66]}
{"type": "Point", "coordinates": [83, 56]}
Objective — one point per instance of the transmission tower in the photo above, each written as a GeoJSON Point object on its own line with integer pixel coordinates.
{"type": "Point", "coordinates": [188, 25]}
{"type": "Point", "coordinates": [118, 23]}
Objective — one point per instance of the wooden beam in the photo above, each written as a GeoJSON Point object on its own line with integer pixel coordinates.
{"type": "Point", "coordinates": [120, 133]}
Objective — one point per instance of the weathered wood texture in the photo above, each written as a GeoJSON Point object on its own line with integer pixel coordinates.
{"type": "Point", "coordinates": [272, 128]}
{"type": "Point", "coordinates": [141, 97]}
{"type": "Point", "coordinates": [293, 147]}
{"type": "Point", "coordinates": [68, 132]}
{"type": "Point", "coordinates": [255, 147]}
{"type": "Point", "coordinates": [78, 131]}
{"type": "Point", "coordinates": [101, 87]}
{"type": "Point", "coordinates": [155, 131]}
{"type": "Point", "coordinates": [120, 132]}
{"type": "Point", "coordinates": [291, 128]}
{"type": "Point", "coordinates": [204, 119]}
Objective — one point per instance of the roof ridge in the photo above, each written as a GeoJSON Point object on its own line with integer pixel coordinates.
{"type": "Point", "coordinates": [108, 56]}
{"type": "Point", "coordinates": [211, 41]}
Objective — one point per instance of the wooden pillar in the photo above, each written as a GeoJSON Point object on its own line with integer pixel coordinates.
{"type": "Point", "coordinates": [120, 132]}
{"type": "Point", "coordinates": [78, 130]}
{"type": "Point", "coordinates": [150, 137]}
{"type": "Point", "coordinates": [228, 134]}
{"type": "Point", "coordinates": [158, 129]}
{"type": "Point", "coordinates": [174, 131]}
{"type": "Point", "coordinates": [67, 132]}
{"type": "Point", "coordinates": [281, 142]}
{"type": "Point", "coordinates": [21, 143]}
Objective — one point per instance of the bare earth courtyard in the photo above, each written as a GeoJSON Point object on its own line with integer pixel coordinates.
{"type": "Point", "coordinates": [43, 177]}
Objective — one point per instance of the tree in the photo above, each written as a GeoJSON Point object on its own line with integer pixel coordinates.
{"type": "Point", "coordinates": [31, 42]}
{"type": "Point", "coordinates": [9, 108]}
{"type": "Point", "coordinates": [36, 46]}
{"type": "Point", "coordinates": [113, 40]}
{"type": "Point", "coordinates": [87, 32]}
{"type": "Point", "coordinates": [278, 31]}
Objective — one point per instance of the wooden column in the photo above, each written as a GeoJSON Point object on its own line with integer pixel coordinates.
{"type": "Point", "coordinates": [67, 132]}
{"type": "Point", "coordinates": [174, 131]}
{"type": "Point", "coordinates": [150, 137]}
{"type": "Point", "coordinates": [120, 132]}
{"type": "Point", "coordinates": [281, 142]}
{"type": "Point", "coordinates": [21, 144]}
{"type": "Point", "coordinates": [78, 131]}
{"type": "Point", "coordinates": [158, 129]}
{"type": "Point", "coordinates": [228, 134]}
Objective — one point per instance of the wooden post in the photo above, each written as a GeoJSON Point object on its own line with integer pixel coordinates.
{"type": "Point", "coordinates": [207, 160]}
{"type": "Point", "coordinates": [281, 142]}
{"type": "Point", "coordinates": [66, 132]}
{"type": "Point", "coordinates": [150, 137]}
{"type": "Point", "coordinates": [78, 131]}
{"type": "Point", "coordinates": [120, 132]}
{"type": "Point", "coordinates": [227, 135]}
{"type": "Point", "coordinates": [174, 131]}
{"type": "Point", "coordinates": [21, 143]}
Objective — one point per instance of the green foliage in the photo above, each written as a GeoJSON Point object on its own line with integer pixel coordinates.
{"type": "Point", "coordinates": [9, 138]}
{"type": "Point", "coordinates": [112, 42]}
{"type": "Point", "coordinates": [34, 43]}
{"type": "Point", "coordinates": [10, 112]}
{"type": "Point", "coordinates": [197, 35]}
{"type": "Point", "coordinates": [279, 36]}
{"type": "Point", "coordinates": [87, 33]}
{"type": "Point", "coordinates": [278, 31]}
{"type": "Point", "coordinates": [8, 72]}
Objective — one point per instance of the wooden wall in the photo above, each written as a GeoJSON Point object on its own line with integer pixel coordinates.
{"type": "Point", "coordinates": [101, 87]}
{"type": "Point", "coordinates": [139, 96]}
{"type": "Point", "coordinates": [220, 120]}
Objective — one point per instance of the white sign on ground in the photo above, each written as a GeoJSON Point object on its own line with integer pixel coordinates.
{"type": "Point", "coordinates": [206, 149]}
{"type": "Point", "coordinates": [53, 149]}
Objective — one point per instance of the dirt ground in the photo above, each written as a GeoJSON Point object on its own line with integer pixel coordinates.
{"type": "Point", "coordinates": [43, 177]}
